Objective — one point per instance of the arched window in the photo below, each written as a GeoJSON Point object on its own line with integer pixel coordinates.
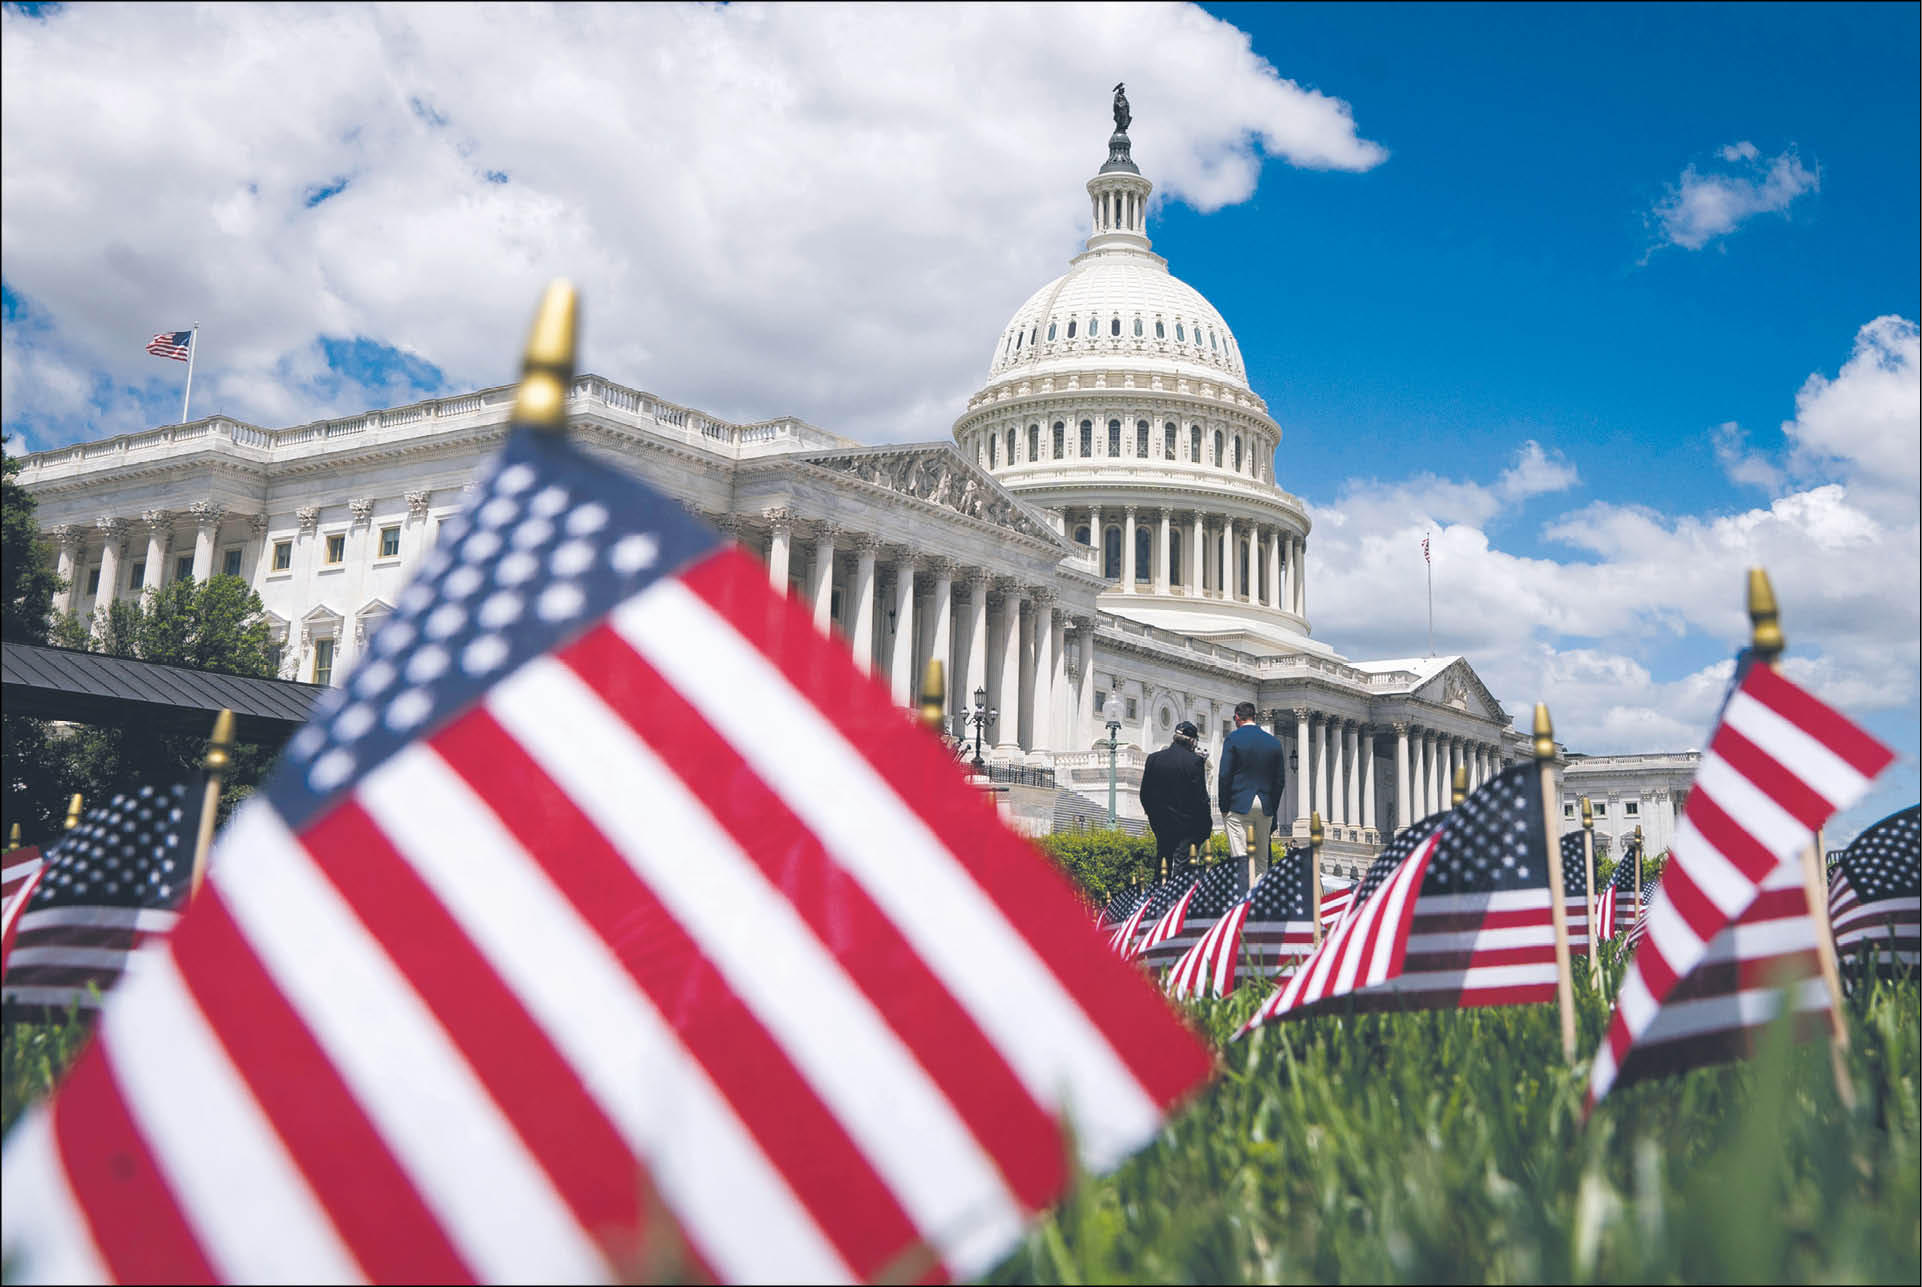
{"type": "Point", "coordinates": [1218, 446]}
{"type": "Point", "coordinates": [1144, 554]}
{"type": "Point", "coordinates": [1211, 341]}
{"type": "Point", "coordinates": [1111, 554]}
{"type": "Point", "coordinates": [1034, 333]}
{"type": "Point", "coordinates": [1034, 443]}
{"type": "Point", "coordinates": [1071, 328]}
{"type": "Point", "coordinates": [1180, 335]}
{"type": "Point", "coordinates": [1161, 332]}
{"type": "Point", "coordinates": [1168, 435]}
{"type": "Point", "coordinates": [1010, 455]}
{"type": "Point", "coordinates": [1114, 439]}
{"type": "Point", "coordinates": [1141, 439]}
{"type": "Point", "coordinates": [991, 441]}
{"type": "Point", "coordinates": [1194, 444]}
{"type": "Point", "coordinates": [1237, 453]}
{"type": "Point", "coordinates": [1017, 341]}
{"type": "Point", "coordinates": [1051, 330]}
{"type": "Point", "coordinates": [1094, 328]}
{"type": "Point", "coordinates": [1060, 440]}
{"type": "Point", "coordinates": [1081, 533]}
{"type": "Point", "coordinates": [1241, 562]}
{"type": "Point", "coordinates": [1174, 556]}
{"type": "Point", "coordinates": [1087, 439]}
{"type": "Point", "coordinates": [1114, 327]}
{"type": "Point", "coordinates": [1137, 328]}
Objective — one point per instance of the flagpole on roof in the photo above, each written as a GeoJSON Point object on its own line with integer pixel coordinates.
{"type": "Point", "coordinates": [1588, 867]}
{"type": "Point", "coordinates": [219, 755]}
{"type": "Point", "coordinates": [1557, 903]}
{"type": "Point", "coordinates": [1765, 639]}
{"type": "Point", "coordinates": [193, 347]}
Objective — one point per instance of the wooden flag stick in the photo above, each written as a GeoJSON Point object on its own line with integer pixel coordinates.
{"type": "Point", "coordinates": [13, 836]}
{"type": "Point", "coordinates": [1588, 866]}
{"type": "Point", "coordinates": [1314, 869]}
{"type": "Point", "coordinates": [73, 813]}
{"type": "Point", "coordinates": [219, 755]}
{"type": "Point", "coordinates": [1557, 903]}
{"type": "Point", "coordinates": [1638, 870]}
{"type": "Point", "coordinates": [1459, 790]}
{"type": "Point", "coordinates": [1767, 643]}
{"type": "Point", "coordinates": [934, 696]}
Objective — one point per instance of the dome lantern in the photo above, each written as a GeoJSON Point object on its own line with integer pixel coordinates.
{"type": "Point", "coordinates": [1119, 194]}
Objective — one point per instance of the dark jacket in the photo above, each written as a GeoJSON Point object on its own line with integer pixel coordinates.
{"type": "Point", "coordinates": [1251, 771]}
{"type": "Point", "coordinates": [1174, 794]}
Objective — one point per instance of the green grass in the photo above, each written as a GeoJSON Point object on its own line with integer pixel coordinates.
{"type": "Point", "coordinates": [1451, 1147]}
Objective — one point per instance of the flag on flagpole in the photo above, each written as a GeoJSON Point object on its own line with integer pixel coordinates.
{"type": "Point", "coordinates": [172, 344]}
{"type": "Point", "coordinates": [1575, 891]}
{"type": "Point", "coordinates": [1779, 765]}
{"type": "Point", "coordinates": [1650, 888]}
{"type": "Point", "coordinates": [1875, 891]}
{"type": "Point", "coordinates": [1214, 894]}
{"type": "Point", "coordinates": [20, 871]}
{"type": "Point", "coordinates": [1155, 901]}
{"type": "Point", "coordinates": [1334, 901]}
{"type": "Point", "coordinates": [535, 931]}
{"type": "Point", "coordinates": [1463, 919]}
{"type": "Point", "coordinates": [1168, 924]}
{"type": "Point", "coordinates": [1607, 925]}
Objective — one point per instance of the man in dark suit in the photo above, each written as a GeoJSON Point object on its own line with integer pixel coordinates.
{"type": "Point", "coordinates": [1174, 795]}
{"type": "Point", "coordinates": [1249, 792]}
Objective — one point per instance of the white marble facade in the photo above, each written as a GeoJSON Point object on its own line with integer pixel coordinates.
{"type": "Point", "coordinates": [1106, 520]}
{"type": "Point", "coordinates": [1626, 792]}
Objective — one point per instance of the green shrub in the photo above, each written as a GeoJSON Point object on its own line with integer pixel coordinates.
{"type": "Point", "coordinates": [1102, 862]}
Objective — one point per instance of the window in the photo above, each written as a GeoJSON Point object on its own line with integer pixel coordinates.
{"type": "Point", "coordinates": [1132, 709]}
{"type": "Point", "coordinates": [184, 568]}
{"type": "Point", "coordinates": [336, 547]}
{"type": "Point", "coordinates": [1201, 724]}
{"type": "Point", "coordinates": [1168, 435]}
{"type": "Point", "coordinates": [390, 542]}
{"type": "Point", "coordinates": [1137, 328]}
{"type": "Point", "coordinates": [1568, 810]}
{"type": "Point", "coordinates": [283, 555]}
{"type": "Point", "coordinates": [1241, 562]}
{"type": "Point", "coordinates": [1219, 444]}
{"type": "Point", "coordinates": [1237, 453]}
{"type": "Point", "coordinates": [1141, 439]}
{"type": "Point", "coordinates": [1114, 327]}
{"type": "Point", "coordinates": [137, 577]}
{"type": "Point", "coordinates": [230, 563]}
{"type": "Point", "coordinates": [1087, 439]}
{"type": "Point", "coordinates": [1081, 534]}
{"type": "Point", "coordinates": [323, 661]}
{"type": "Point", "coordinates": [1174, 557]}
{"type": "Point", "coordinates": [1114, 438]}
{"type": "Point", "coordinates": [1017, 341]}
{"type": "Point", "coordinates": [1111, 554]}
{"type": "Point", "coordinates": [1071, 326]}
{"type": "Point", "coordinates": [1010, 450]}
{"type": "Point", "coordinates": [1144, 554]}
{"type": "Point", "coordinates": [1194, 443]}
{"type": "Point", "coordinates": [1211, 342]}
{"type": "Point", "coordinates": [1601, 811]}
{"type": "Point", "coordinates": [1161, 332]}
{"type": "Point", "coordinates": [1050, 330]}
{"type": "Point", "coordinates": [992, 441]}
{"type": "Point", "coordinates": [1060, 440]}
{"type": "Point", "coordinates": [1034, 442]}
{"type": "Point", "coordinates": [1179, 333]}
{"type": "Point", "coordinates": [1633, 809]}
{"type": "Point", "coordinates": [93, 580]}
{"type": "Point", "coordinates": [1094, 327]}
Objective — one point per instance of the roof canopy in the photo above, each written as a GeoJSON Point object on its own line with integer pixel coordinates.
{"type": "Point", "coordinates": [93, 688]}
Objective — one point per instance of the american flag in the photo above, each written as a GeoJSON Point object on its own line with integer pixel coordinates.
{"type": "Point", "coordinates": [536, 930]}
{"type": "Point", "coordinates": [1167, 925]}
{"type": "Point", "coordinates": [1875, 891]}
{"type": "Point", "coordinates": [1425, 558]}
{"type": "Point", "coordinates": [1575, 890]}
{"type": "Point", "coordinates": [1159, 897]}
{"type": "Point", "coordinates": [1206, 965]}
{"type": "Point", "coordinates": [1334, 901]}
{"type": "Point", "coordinates": [171, 344]}
{"type": "Point", "coordinates": [1623, 883]}
{"type": "Point", "coordinates": [1462, 920]}
{"type": "Point", "coordinates": [1261, 929]}
{"type": "Point", "coordinates": [1118, 907]}
{"type": "Point", "coordinates": [1778, 766]}
{"type": "Point", "coordinates": [1650, 888]}
{"type": "Point", "coordinates": [110, 885]}
{"type": "Point", "coordinates": [19, 872]}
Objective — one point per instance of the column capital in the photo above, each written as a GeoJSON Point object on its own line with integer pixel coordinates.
{"type": "Point", "coordinates": [361, 508]}
{"type": "Point", "coordinates": [114, 528]}
{"type": "Point", "coordinates": [940, 565]}
{"type": "Point", "coordinates": [1301, 712]}
{"type": "Point", "coordinates": [868, 544]}
{"type": "Point", "coordinates": [1043, 596]}
{"type": "Point", "coordinates": [1401, 727]}
{"type": "Point", "coordinates": [979, 579]}
{"type": "Point", "coordinates": [1131, 510]}
{"type": "Point", "coordinates": [417, 503]}
{"type": "Point", "coordinates": [66, 535]}
{"type": "Point", "coordinates": [154, 519]}
{"type": "Point", "coordinates": [257, 524]}
{"type": "Point", "coordinates": [827, 532]}
{"type": "Point", "coordinates": [727, 524]}
{"type": "Point", "coordinates": [309, 518]}
{"type": "Point", "coordinates": [778, 517]}
{"type": "Point", "coordinates": [207, 513]}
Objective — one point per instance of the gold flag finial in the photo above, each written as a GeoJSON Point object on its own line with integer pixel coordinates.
{"type": "Point", "coordinates": [73, 813]}
{"type": "Point", "coordinates": [1314, 830]}
{"type": "Point", "coordinates": [1544, 733]}
{"type": "Point", "coordinates": [1459, 791]}
{"type": "Point", "coordinates": [547, 367]}
{"type": "Point", "coordinates": [934, 696]}
{"type": "Point", "coordinates": [220, 746]}
{"type": "Point", "coordinates": [1765, 636]}
{"type": "Point", "coordinates": [13, 836]}
{"type": "Point", "coordinates": [1588, 815]}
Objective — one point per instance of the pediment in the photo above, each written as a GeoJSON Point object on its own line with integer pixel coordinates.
{"type": "Point", "coordinates": [320, 614]}
{"type": "Point", "coordinates": [936, 474]}
{"type": "Point", "coordinates": [1459, 688]}
{"type": "Point", "coordinates": [374, 608]}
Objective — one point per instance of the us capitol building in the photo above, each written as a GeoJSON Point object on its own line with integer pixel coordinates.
{"type": "Point", "coordinates": [1104, 537]}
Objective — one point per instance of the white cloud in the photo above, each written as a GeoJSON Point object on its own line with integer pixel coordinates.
{"type": "Point", "coordinates": [1583, 633]}
{"type": "Point", "coordinates": [1702, 207]}
{"type": "Point", "coordinates": [819, 211]}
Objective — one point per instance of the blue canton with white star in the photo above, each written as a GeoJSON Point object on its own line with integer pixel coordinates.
{"type": "Point", "coordinates": [1886, 860]}
{"type": "Point", "coordinates": [136, 851]}
{"type": "Point", "coordinates": [1286, 891]}
{"type": "Point", "coordinates": [1495, 840]}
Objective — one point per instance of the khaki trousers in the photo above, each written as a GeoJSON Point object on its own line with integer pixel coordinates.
{"type": "Point", "coordinates": [1248, 845]}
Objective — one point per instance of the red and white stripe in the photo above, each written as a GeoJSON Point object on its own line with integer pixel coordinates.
{"type": "Point", "coordinates": [1718, 1011]}
{"type": "Point", "coordinates": [1170, 923]}
{"type": "Point", "coordinates": [1891, 927]}
{"type": "Point", "coordinates": [1367, 947]}
{"type": "Point", "coordinates": [1207, 969]}
{"type": "Point", "coordinates": [1121, 942]}
{"type": "Point", "coordinates": [599, 947]}
{"type": "Point", "coordinates": [1780, 765]}
{"type": "Point", "coordinates": [1605, 914]}
{"type": "Point", "coordinates": [1334, 902]}
{"type": "Point", "coordinates": [19, 877]}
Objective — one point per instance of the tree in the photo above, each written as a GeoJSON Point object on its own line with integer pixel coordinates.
{"type": "Point", "coordinates": [27, 583]}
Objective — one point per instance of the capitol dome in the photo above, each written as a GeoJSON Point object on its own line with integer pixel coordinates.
{"type": "Point", "coordinates": [1117, 403]}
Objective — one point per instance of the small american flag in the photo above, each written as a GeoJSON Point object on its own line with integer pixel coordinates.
{"type": "Point", "coordinates": [1650, 888]}
{"type": "Point", "coordinates": [171, 344]}
{"type": "Point", "coordinates": [1335, 900]}
{"type": "Point", "coordinates": [1623, 883]}
{"type": "Point", "coordinates": [1875, 891]}
{"type": "Point", "coordinates": [1159, 897]}
{"type": "Point", "coordinates": [1281, 917]}
{"type": "Point", "coordinates": [535, 931]}
{"type": "Point", "coordinates": [1462, 920]}
{"type": "Point", "coordinates": [1263, 928]}
{"type": "Point", "coordinates": [19, 873]}
{"type": "Point", "coordinates": [1167, 925]}
{"type": "Point", "coordinates": [1778, 766]}
{"type": "Point", "coordinates": [110, 885]}
{"type": "Point", "coordinates": [1575, 890]}
{"type": "Point", "coordinates": [1206, 966]}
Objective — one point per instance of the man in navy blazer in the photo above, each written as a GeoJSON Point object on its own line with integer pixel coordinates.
{"type": "Point", "coordinates": [1249, 792]}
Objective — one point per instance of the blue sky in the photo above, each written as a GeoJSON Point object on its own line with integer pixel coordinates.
{"type": "Point", "coordinates": [1613, 300]}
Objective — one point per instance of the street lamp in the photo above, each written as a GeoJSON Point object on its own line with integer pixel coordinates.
{"type": "Point", "coordinates": [1111, 712]}
{"type": "Point", "coordinates": [980, 717]}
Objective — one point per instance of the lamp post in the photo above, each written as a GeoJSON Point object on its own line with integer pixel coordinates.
{"type": "Point", "coordinates": [1111, 712]}
{"type": "Point", "coordinates": [982, 716]}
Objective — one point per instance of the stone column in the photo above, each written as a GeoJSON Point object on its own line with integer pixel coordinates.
{"type": "Point", "coordinates": [1254, 571]}
{"type": "Point", "coordinates": [1273, 542]}
{"type": "Point", "coordinates": [1085, 720]}
{"type": "Point", "coordinates": [1336, 814]}
{"type": "Point", "coordinates": [861, 595]}
{"type": "Point", "coordinates": [1060, 696]}
{"type": "Point", "coordinates": [1038, 675]}
{"type": "Point", "coordinates": [1301, 590]}
{"type": "Point", "coordinates": [207, 515]}
{"type": "Point", "coordinates": [1351, 747]}
{"type": "Point", "coordinates": [114, 545]}
{"type": "Point", "coordinates": [1007, 689]}
{"type": "Point", "coordinates": [1431, 759]}
{"type": "Point", "coordinates": [1322, 777]}
{"type": "Point", "coordinates": [66, 542]}
{"type": "Point", "coordinates": [1095, 541]}
{"type": "Point", "coordinates": [822, 585]}
{"type": "Point", "coordinates": [941, 638]}
{"type": "Point", "coordinates": [1369, 818]}
{"type": "Point", "coordinates": [1195, 556]}
{"type": "Point", "coordinates": [1418, 773]}
{"type": "Point", "coordinates": [1210, 582]}
{"type": "Point", "coordinates": [1128, 551]}
{"type": "Point", "coordinates": [1304, 768]}
{"type": "Point", "coordinates": [160, 543]}
{"type": "Point", "coordinates": [1161, 552]}
{"type": "Point", "coordinates": [780, 524]}
{"type": "Point", "coordinates": [903, 683]}
{"type": "Point", "coordinates": [975, 675]}
{"type": "Point", "coordinates": [1404, 814]}
{"type": "Point", "coordinates": [413, 533]}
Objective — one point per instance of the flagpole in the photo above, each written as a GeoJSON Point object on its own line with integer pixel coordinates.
{"type": "Point", "coordinates": [1588, 861]}
{"type": "Point", "coordinates": [219, 755]}
{"type": "Point", "coordinates": [1314, 868]}
{"type": "Point", "coordinates": [1557, 904]}
{"type": "Point", "coordinates": [1765, 639]}
{"type": "Point", "coordinates": [193, 347]}
{"type": "Point", "coordinates": [1429, 562]}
